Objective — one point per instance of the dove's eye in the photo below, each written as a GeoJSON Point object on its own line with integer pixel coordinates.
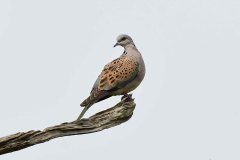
{"type": "Point", "coordinates": [123, 39]}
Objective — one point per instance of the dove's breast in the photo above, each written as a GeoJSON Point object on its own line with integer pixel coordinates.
{"type": "Point", "coordinates": [136, 81]}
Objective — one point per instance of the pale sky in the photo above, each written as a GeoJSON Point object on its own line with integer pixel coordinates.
{"type": "Point", "coordinates": [188, 107]}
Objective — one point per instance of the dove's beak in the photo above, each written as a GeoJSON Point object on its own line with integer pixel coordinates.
{"type": "Point", "coordinates": [116, 44]}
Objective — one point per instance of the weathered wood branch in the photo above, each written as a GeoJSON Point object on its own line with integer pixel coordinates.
{"type": "Point", "coordinates": [111, 117]}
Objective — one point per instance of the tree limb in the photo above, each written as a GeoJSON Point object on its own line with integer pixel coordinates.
{"type": "Point", "coordinates": [111, 117]}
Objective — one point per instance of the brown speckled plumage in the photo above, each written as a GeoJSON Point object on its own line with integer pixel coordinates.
{"type": "Point", "coordinates": [117, 72]}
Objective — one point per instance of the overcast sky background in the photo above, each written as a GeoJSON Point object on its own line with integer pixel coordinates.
{"type": "Point", "coordinates": [188, 105]}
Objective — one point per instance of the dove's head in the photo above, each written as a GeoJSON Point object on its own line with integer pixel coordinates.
{"type": "Point", "coordinates": [124, 40]}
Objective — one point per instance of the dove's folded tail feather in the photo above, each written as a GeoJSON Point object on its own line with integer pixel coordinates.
{"type": "Point", "coordinates": [89, 100]}
{"type": "Point", "coordinates": [84, 111]}
{"type": "Point", "coordinates": [87, 103]}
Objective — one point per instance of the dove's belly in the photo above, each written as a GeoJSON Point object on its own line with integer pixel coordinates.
{"type": "Point", "coordinates": [130, 86]}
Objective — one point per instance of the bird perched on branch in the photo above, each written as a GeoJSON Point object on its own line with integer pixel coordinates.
{"type": "Point", "coordinates": [118, 77]}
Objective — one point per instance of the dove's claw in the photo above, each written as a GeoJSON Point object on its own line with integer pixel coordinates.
{"type": "Point", "coordinates": [127, 97]}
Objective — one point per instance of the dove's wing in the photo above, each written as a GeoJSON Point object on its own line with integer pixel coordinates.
{"type": "Point", "coordinates": [115, 75]}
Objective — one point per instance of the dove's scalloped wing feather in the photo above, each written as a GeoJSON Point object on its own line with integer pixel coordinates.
{"type": "Point", "coordinates": [115, 75]}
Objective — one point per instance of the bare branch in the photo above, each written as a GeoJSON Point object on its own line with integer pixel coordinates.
{"type": "Point", "coordinates": [111, 117]}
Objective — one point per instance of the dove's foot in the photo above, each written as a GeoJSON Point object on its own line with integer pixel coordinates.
{"type": "Point", "coordinates": [127, 97]}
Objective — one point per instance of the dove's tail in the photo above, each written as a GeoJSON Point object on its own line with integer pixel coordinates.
{"type": "Point", "coordinates": [84, 111]}
{"type": "Point", "coordinates": [91, 100]}
{"type": "Point", "coordinates": [87, 103]}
